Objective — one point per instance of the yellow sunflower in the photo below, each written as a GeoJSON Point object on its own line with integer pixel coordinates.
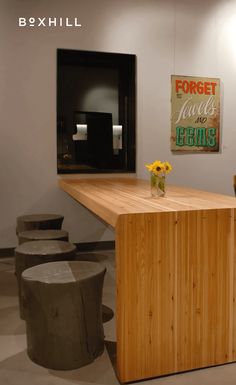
{"type": "Point", "coordinates": [156, 167]}
{"type": "Point", "coordinates": [167, 167]}
{"type": "Point", "coordinates": [149, 167]}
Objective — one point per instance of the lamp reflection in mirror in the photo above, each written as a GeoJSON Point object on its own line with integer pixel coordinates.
{"type": "Point", "coordinates": [117, 138]}
{"type": "Point", "coordinates": [82, 134]}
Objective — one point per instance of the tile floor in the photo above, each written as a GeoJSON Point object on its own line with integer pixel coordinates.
{"type": "Point", "coordinates": [17, 369]}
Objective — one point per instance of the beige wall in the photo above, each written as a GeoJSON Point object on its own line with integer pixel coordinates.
{"type": "Point", "coordinates": [186, 37]}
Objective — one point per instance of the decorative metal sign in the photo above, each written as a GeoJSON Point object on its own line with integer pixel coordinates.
{"type": "Point", "coordinates": [195, 115]}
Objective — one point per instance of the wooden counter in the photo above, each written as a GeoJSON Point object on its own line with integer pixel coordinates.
{"type": "Point", "coordinates": [175, 274]}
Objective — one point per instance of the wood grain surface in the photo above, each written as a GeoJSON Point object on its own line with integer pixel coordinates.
{"type": "Point", "coordinates": [110, 197]}
{"type": "Point", "coordinates": [175, 274]}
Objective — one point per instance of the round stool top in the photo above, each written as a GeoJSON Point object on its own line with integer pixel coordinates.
{"type": "Point", "coordinates": [45, 247]}
{"type": "Point", "coordinates": [39, 217]}
{"type": "Point", "coordinates": [43, 234]}
{"type": "Point", "coordinates": [63, 272]}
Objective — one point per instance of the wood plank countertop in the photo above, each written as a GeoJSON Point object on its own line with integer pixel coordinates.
{"type": "Point", "coordinates": [111, 197]}
{"type": "Point", "coordinates": [175, 274]}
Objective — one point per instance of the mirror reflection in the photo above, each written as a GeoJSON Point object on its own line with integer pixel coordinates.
{"type": "Point", "coordinates": [95, 112]}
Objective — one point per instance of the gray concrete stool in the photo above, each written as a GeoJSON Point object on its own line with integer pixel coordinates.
{"type": "Point", "coordinates": [39, 222]}
{"type": "Point", "coordinates": [63, 313]}
{"type": "Point", "coordinates": [42, 235]}
{"type": "Point", "coordinates": [36, 252]}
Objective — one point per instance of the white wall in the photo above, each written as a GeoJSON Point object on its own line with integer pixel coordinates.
{"type": "Point", "coordinates": [185, 37]}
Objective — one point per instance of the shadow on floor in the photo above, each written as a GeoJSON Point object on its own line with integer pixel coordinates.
{"type": "Point", "coordinates": [10, 322]}
{"type": "Point", "coordinates": [111, 350]}
{"type": "Point", "coordinates": [107, 313]}
{"type": "Point", "coordinates": [90, 257]}
{"type": "Point", "coordinates": [8, 284]}
{"type": "Point", "coordinates": [18, 369]}
{"type": "Point", "coordinates": [98, 372]}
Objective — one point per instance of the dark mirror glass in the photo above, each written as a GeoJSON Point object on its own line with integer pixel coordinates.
{"type": "Point", "coordinates": [95, 112]}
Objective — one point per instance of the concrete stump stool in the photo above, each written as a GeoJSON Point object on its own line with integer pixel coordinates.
{"type": "Point", "coordinates": [39, 222]}
{"type": "Point", "coordinates": [42, 235]}
{"type": "Point", "coordinates": [34, 253]}
{"type": "Point", "coordinates": [63, 313]}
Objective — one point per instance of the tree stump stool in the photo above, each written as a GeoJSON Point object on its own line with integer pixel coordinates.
{"type": "Point", "coordinates": [63, 313]}
{"type": "Point", "coordinates": [42, 235]}
{"type": "Point", "coordinates": [39, 222]}
{"type": "Point", "coordinates": [37, 252]}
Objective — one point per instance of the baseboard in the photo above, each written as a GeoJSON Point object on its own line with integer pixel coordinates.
{"type": "Point", "coordinates": [93, 246]}
{"type": "Point", "coordinates": [83, 246]}
{"type": "Point", "coordinates": [7, 252]}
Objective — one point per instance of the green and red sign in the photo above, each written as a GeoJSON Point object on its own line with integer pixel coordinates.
{"type": "Point", "coordinates": [195, 113]}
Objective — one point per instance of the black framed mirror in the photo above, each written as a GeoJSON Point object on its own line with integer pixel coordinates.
{"type": "Point", "coordinates": [95, 112]}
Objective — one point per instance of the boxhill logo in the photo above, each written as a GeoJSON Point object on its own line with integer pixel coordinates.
{"type": "Point", "coordinates": [51, 22]}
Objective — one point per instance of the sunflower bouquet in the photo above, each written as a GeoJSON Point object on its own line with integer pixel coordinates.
{"type": "Point", "coordinates": [158, 171]}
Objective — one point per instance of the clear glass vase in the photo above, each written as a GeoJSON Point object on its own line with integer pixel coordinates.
{"type": "Point", "coordinates": [158, 185]}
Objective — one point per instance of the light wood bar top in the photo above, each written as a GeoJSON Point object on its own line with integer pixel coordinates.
{"type": "Point", "coordinates": [111, 197]}
{"type": "Point", "coordinates": [175, 274]}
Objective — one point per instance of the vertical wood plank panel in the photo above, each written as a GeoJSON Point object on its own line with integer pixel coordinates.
{"type": "Point", "coordinates": [175, 275]}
